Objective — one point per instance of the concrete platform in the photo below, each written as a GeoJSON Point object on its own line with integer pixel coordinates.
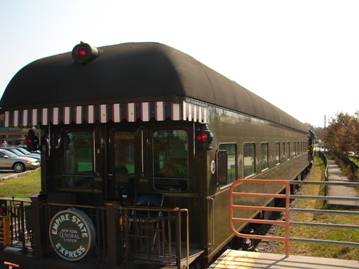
{"type": "Point", "coordinates": [236, 259]}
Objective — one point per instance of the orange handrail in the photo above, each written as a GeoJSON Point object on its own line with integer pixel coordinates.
{"type": "Point", "coordinates": [233, 206]}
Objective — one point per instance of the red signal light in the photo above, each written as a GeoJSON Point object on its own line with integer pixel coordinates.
{"type": "Point", "coordinates": [202, 137]}
{"type": "Point", "coordinates": [81, 52]}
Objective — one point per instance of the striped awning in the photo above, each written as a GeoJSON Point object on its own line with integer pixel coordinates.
{"type": "Point", "coordinates": [103, 113]}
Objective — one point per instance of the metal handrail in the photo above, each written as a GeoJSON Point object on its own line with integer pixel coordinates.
{"type": "Point", "coordinates": [232, 207]}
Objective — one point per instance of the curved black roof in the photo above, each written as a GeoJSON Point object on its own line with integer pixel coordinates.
{"type": "Point", "coordinates": [132, 71]}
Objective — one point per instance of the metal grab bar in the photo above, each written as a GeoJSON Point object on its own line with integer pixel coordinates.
{"type": "Point", "coordinates": [209, 198]}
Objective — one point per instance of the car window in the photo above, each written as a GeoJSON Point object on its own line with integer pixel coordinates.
{"type": "Point", "coordinates": [10, 154]}
{"type": "Point", "coordinates": [18, 152]}
{"type": "Point", "coordinates": [24, 151]}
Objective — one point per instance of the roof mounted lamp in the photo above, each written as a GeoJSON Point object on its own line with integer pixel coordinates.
{"type": "Point", "coordinates": [83, 53]}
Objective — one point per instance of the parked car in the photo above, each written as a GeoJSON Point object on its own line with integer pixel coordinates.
{"type": "Point", "coordinates": [18, 152]}
{"type": "Point", "coordinates": [29, 154]}
{"type": "Point", "coordinates": [9, 160]}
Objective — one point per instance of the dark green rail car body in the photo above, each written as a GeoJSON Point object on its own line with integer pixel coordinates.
{"type": "Point", "coordinates": [145, 95]}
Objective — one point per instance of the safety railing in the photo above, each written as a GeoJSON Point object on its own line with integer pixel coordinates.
{"type": "Point", "coordinates": [14, 220]}
{"type": "Point", "coordinates": [233, 206]}
{"type": "Point", "coordinates": [155, 235]}
{"type": "Point", "coordinates": [287, 210]}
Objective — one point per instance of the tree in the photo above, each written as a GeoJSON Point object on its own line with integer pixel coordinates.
{"type": "Point", "coordinates": [342, 134]}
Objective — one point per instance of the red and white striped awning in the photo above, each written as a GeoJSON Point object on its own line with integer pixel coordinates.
{"type": "Point", "coordinates": [118, 112]}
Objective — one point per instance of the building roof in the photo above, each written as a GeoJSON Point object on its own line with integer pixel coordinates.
{"type": "Point", "coordinates": [131, 72]}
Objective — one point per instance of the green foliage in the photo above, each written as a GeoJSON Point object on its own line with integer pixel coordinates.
{"type": "Point", "coordinates": [342, 134]}
{"type": "Point", "coordinates": [355, 160]}
{"type": "Point", "coordinates": [22, 187]}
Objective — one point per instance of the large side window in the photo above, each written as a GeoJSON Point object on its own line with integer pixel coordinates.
{"type": "Point", "coordinates": [283, 151]}
{"type": "Point", "coordinates": [231, 150]}
{"type": "Point", "coordinates": [170, 159]}
{"type": "Point", "coordinates": [264, 156]}
{"type": "Point", "coordinates": [124, 155]}
{"type": "Point", "coordinates": [78, 153]}
{"type": "Point", "coordinates": [249, 159]}
{"type": "Point", "coordinates": [75, 159]}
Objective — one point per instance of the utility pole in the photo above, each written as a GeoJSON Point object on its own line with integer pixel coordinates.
{"type": "Point", "coordinates": [325, 121]}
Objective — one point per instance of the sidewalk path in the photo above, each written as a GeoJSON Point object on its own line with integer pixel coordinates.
{"type": "Point", "coordinates": [334, 174]}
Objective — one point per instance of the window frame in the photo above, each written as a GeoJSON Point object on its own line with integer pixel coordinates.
{"type": "Point", "coordinates": [277, 153]}
{"type": "Point", "coordinates": [151, 151]}
{"type": "Point", "coordinates": [260, 161]}
{"type": "Point", "coordinates": [254, 162]}
{"type": "Point", "coordinates": [60, 174]}
{"type": "Point", "coordinates": [236, 162]}
{"type": "Point", "coordinates": [113, 153]}
{"type": "Point", "coordinates": [92, 157]}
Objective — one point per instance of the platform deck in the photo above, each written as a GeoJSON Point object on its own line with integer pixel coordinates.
{"type": "Point", "coordinates": [235, 259]}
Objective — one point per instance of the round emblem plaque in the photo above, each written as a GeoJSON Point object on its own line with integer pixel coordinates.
{"type": "Point", "coordinates": [213, 167]}
{"type": "Point", "coordinates": [71, 234]}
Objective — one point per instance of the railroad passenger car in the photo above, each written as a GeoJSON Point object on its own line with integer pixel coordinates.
{"type": "Point", "coordinates": [140, 143]}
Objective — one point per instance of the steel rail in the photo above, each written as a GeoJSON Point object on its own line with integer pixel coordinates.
{"type": "Point", "coordinates": [337, 182]}
{"type": "Point", "coordinates": [322, 241]}
{"type": "Point", "coordinates": [329, 225]}
{"type": "Point", "coordinates": [342, 212]}
{"type": "Point", "coordinates": [311, 197]}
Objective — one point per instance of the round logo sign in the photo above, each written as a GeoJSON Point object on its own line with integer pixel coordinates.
{"type": "Point", "coordinates": [213, 167]}
{"type": "Point", "coordinates": [72, 234]}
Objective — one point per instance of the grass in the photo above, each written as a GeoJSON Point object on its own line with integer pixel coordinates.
{"type": "Point", "coordinates": [337, 234]}
{"type": "Point", "coordinates": [22, 187]}
{"type": "Point", "coordinates": [354, 159]}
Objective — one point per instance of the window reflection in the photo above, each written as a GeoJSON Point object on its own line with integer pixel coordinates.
{"type": "Point", "coordinates": [231, 161]}
{"type": "Point", "coordinates": [124, 151]}
{"type": "Point", "coordinates": [75, 162]}
{"type": "Point", "coordinates": [249, 159]}
{"type": "Point", "coordinates": [264, 156]}
{"type": "Point", "coordinates": [78, 153]}
{"type": "Point", "coordinates": [170, 153]}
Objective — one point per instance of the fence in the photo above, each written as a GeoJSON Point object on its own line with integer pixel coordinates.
{"type": "Point", "coordinates": [287, 196]}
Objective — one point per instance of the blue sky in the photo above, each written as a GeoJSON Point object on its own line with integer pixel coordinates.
{"type": "Point", "coordinates": [302, 56]}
